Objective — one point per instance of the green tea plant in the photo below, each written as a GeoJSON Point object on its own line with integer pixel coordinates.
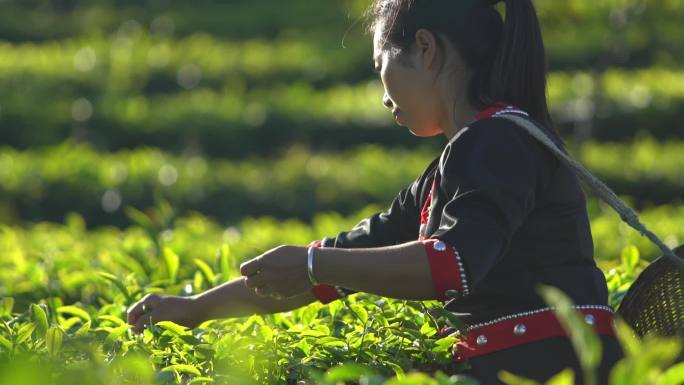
{"type": "Point", "coordinates": [66, 290]}
{"type": "Point", "coordinates": [46, 183]}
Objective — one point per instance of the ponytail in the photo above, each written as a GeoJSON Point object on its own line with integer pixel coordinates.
{"type": "Point", "coordinates": [519, 67]}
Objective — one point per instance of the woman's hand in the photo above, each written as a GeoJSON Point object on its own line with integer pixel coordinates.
{"type": "Point", "coordinates": [280, 272]}
{"type": "Point", "coordinates": [184, 311]}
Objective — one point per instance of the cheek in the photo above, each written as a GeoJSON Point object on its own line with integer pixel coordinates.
{"type": "Point", "coordinates": [402, 87]}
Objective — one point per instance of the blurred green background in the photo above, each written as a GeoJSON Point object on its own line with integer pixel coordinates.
{"type": "Point", "coordinates": [249, 108]}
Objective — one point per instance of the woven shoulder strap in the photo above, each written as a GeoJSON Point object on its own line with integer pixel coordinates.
{"type": "Point", "coordinates": [627, 214]}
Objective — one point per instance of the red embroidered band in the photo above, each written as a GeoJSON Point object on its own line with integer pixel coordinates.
{"type": "Point", "coordinates": [517, 329]}
{"type": "Point", "coordinates": [325, 293]}
{"type": "Point", "coordinates": [448, 274]}
{"type": "Point", "coordinates": [499, 108]}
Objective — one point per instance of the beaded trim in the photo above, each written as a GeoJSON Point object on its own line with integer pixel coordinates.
{"type": "Point", "coordinates": [509, 109]}
{"type": "Point", "coordinates": [340, 291]}
{"type": "Point", "coordinates": [526, 313]}
{"type": "Point", "coordinates": [464, 282]}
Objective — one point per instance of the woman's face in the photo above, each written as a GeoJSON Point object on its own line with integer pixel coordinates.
{"type": "Point", "coordinates": [410, 90]}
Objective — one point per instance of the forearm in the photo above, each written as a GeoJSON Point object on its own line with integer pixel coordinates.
{"type": "Point", "coordinates": [234, 299]}
{"type": "Point", "coordinates": [398, 271]}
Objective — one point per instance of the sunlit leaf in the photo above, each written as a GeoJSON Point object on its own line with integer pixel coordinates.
{"type": "Point", "coordinates": [509, 378]}
{"type": "Point", "coordinates": [40, 318]}
{"type": "Point", "coordinates": [173, 327]}
{"type": "Point", "coordinates": [117, 332]}
{"type": "Point", "coordinates": [74, 310]}
{"type": "Point", "coordinates": [6, 306]}
{"type": "Point", "coordinates": [673, 375]}
{"type": "Point", "coordinates": [201, 380]}
{"type": "Point", "coordinates": [206, 271]}
{"type": "Point", "coordinates": [171, 262]}
{"type": "Point", "coordinates": [84, 329]}
{"type": "Point", "coordinates": [117, 283]}
{"type": "Point", "coordinates": [348, 371]}
{"type": "Point", "coordinates": [224, 261]}
{"type": "Point", "coordinates": [24, 332]}
{"type": "Point", "coordinates": [113, 319]}
{"type": "Point", "coordinates": [54, 339]}
{"type": "Point", "coordinates": [565, 377]}
{"type": "Point", "coordinates": [630, 257]}
{"type": "Point", "coordinates": [5, 342]}
{"type": "Point", "coordinates": [182, 368]}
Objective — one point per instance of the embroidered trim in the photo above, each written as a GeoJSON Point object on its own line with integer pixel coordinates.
{"type": "Point", "coordinates": [526, 327]}
{"type": "Point", "coordinates": [498, 108]}
{"type": "Point", "coordinates": [446, 269]}
{"type": "Point", "coordinates": [464, 281]}
{"type": "Point", "coordinates": [340, 291]}
{"type": "Point", "coordinates": [530, 312]}
{"type": "Point", "coordinates": [509, 109]}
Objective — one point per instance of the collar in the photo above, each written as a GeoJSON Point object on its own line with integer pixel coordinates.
{"type": "Point", "coordinates": [496, 108]}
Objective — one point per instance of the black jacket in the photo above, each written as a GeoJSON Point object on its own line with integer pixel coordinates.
{"type": "Point", "coordinates": [517, 217]}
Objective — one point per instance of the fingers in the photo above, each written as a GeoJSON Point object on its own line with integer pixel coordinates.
{"type": "Point", "coordinates": [260, 287]}
{"type": "Point", "coordinates": [262, 291]}
{"type": "Point", "coordinates": [257, 283]}
{"type": "Point", "coordinates": [250, 267]}
{"type": "Point", "coordinates": [134, 312]}
{"type": "Point", "coordinates": [145, 304]}
{"type": "Point", "coordinates": [256, 280]}
{"type": "Point", "coordinates": [145, 319]}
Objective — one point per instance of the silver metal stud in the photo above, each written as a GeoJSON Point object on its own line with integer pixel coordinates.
{"type": "Point", "coordinates": [519, 329]}
{"type": "Point", "coordinates": [439, 246]}
{"type": "Point", "coordinates": [589, 319]}
{"type": "Point", "coordinates": [481, 340]}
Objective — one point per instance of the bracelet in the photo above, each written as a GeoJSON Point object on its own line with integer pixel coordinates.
{"type": "Point", "coordinates": [309, 266]}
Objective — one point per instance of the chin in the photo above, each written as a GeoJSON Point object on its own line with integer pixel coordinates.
{"type": "Point", "coordinates": [424, 132]}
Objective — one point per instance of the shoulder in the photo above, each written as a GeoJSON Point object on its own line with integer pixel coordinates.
{"type": "Point", "coordinates": [488, 140]}
{"type": "Point", "coordinates": [491, 131]}
{"type": "Point", "coordinates": [499, 148]}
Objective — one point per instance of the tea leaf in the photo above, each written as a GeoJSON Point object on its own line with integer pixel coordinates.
{"type": "Point", "coordinates": [171, 262]}
{"type": "Point", "coordinates": [74, 310]}
{"type": "Point", "coordinates": [173, 327]}
{"type": "Point", "coordinates": [54, 339]}
{"type": "Point", "coordinates": [208, 274]}
{"type": "Point", "coordinates": [40, 318]}
{"type": "Point", "coordinates": [182, 368]}
{"type": "Point", "coordinates": [348, 372]}
{"type": "Point", "coordinates": [630, 257]}
{"type": "Point", "coordinates": [117, 283]}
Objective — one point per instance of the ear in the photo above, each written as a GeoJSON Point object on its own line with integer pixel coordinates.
{"type": "Point", "coordinates": [426, 48]}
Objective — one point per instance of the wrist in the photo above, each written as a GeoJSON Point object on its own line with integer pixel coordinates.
{"type": "Point", "coordinates": [311, 252]}
{"type": "Point", "coordinates": [321, 266]}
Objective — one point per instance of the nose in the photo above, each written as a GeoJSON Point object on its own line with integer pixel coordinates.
{"type": "Point", "coordinates": [387, 101]}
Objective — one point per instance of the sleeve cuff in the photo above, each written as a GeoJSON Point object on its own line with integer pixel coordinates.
{"type": "Point", "coordinates": [448, 274]}
{"type": "Point", "coordinates": [325, 293]}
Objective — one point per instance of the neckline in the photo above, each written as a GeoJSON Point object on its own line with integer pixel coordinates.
{"type": "Point", "coordinates": [495, 108]}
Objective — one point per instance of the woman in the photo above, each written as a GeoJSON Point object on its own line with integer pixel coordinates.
{"type": "Point", "coordinates": [492, 216]}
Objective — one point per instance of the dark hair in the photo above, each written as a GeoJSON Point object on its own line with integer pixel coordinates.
{"type": "Point", "coordinates": [507, 60]}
